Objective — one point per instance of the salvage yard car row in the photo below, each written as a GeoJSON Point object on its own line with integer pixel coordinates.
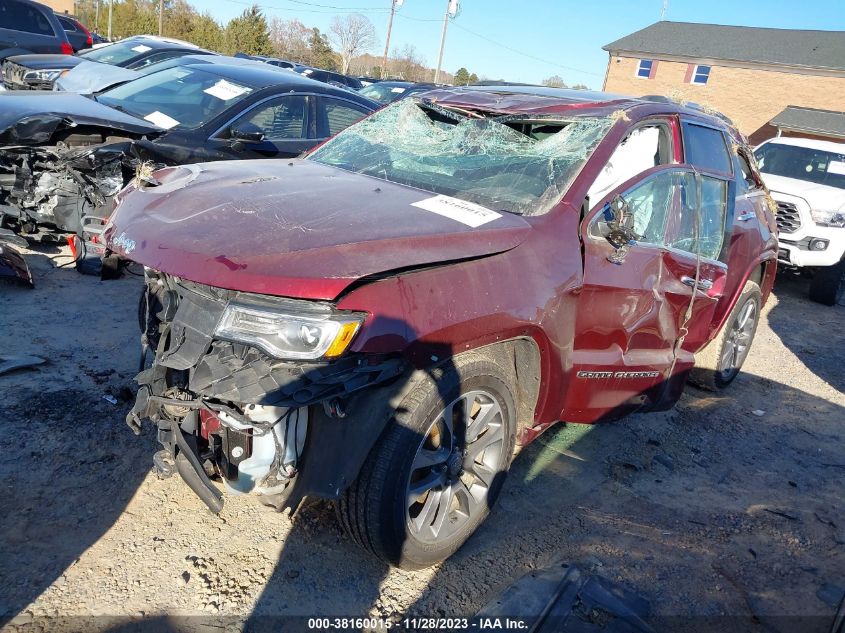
{"type": "Point", "coordinates": [374, 304]}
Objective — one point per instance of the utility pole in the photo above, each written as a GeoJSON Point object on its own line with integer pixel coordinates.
{"type": "Point", "coordinates": [160, 18]}
{"type": "Point", "coordinates": [451, 11]}
{"type": "Point", "coordinates": [111, 6]}
{"type": "Point", "coordinates": [394, 4]}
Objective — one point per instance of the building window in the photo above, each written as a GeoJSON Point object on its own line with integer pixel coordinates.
{"type": "Point", "coordinates": [700, 75]}
{"type": "Point", "coordinates": [644, 69]}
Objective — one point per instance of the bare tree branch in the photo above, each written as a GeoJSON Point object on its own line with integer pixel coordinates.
{"type": "Point", "coordinates": [352, 35]}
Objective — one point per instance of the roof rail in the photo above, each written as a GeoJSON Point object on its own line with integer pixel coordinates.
{"type": "Point", "coordinates": [688, 104]}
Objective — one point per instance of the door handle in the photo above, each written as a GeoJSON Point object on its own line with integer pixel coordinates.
{"type": "Point", "coordinates": [703, 284]}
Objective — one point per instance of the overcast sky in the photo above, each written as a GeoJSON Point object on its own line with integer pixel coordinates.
{"type": "Point", "coordinates": [529, 40]}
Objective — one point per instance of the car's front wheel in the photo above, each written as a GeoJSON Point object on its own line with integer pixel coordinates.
{"type": "Point", "coordinates": [437, 469]}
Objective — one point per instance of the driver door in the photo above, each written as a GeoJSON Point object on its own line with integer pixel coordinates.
{"type": "Point", "coordinates": [634, 303]}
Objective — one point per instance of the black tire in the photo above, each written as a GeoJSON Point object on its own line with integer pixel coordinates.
{"type": "Point", "coordinates": [711, 370]}
{"type": "Point", "coordinates": [375, 510]}
{"type": "Point", "coordinates": [828, 284]}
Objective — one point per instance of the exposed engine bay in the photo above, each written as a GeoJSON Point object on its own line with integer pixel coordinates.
{"type": "Point", "coordinates": [230, 411]}
{"type": "Point", "coordinates": [59, 187]}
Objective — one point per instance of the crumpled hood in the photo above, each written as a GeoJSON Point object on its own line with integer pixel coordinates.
{"type": "Point", "coordinates": [45, 62]}
{"type": "Point", "coordinates": [296, 228]}
{"type": "Point", "coordinates": [89, 77]}
{"type": "Point", "coordinates": [31, 119]}
{"type": "Point", "coordinates": [817, 196]}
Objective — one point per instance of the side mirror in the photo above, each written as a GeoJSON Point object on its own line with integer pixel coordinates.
{"type": "Point", "coordinates": [619, 229]}
{"type": "Point", "coordinates": [246, 132]}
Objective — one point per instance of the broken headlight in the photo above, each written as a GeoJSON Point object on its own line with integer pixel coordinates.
{"type": "Point", "coordinates": [289, 335]}
{"type": "Point", "coordinates": [42, 75]}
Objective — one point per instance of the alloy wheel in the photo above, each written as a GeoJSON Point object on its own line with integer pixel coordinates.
{"type": "Point", "coordinates": [738, 341]}
{"type": "Point", "coordinates": [455, 466]}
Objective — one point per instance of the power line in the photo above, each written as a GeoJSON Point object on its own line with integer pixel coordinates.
{"type": "Point", "coordinates": [332, 10]}
{"type": "Point", "coordinates": [528, 55]}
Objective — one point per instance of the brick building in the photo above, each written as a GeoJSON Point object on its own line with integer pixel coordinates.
{"type": "Point", "coordinates": [753, 75]}
{"type": "Point", "coordinates": [59, 6]}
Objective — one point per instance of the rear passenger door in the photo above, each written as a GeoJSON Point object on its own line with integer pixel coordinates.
{"type": "Point", "coordinates": [711, 153]}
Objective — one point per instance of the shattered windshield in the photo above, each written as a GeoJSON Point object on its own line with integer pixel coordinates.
{"type": "Point", "coordinates": [516, 164]}
{"type": "Point", "coordinates": [182, 97]}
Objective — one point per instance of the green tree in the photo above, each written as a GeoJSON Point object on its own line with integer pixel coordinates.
{"type": "Point", "coordinates": [207, 33]}
{"type": "Point", "coordinates": [473, 78]}
{"type": "Point", "coordinates": [248, 33]}
{"type": "Point", "coordinates": [580, 87]}
{"type": "Point", "coordinates": [322, 55]}
{"type": "Point", "coordinates": [555, 81]}
{"type": "Point", "coordinates": [462, 77]}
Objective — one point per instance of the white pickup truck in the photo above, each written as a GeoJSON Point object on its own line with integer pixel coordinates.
{"type": "Point", "coordinates": [807, 181]}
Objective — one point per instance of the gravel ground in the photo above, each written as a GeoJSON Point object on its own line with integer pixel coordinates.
{"type": "Point", "coordinates": [730, 507]}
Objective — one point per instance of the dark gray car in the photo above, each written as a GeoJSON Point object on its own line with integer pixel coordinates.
{"type": "Point", "coordinates": [78, 36]}
{"type": "Point", "coordinates": [30, 27]}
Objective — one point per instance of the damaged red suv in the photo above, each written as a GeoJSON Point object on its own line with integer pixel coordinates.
{"type": "Point", "coordinates": [380, 322]}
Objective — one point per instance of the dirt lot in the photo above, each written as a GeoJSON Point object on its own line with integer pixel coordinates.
{"type": "Point", "coordinates": [727, 513]}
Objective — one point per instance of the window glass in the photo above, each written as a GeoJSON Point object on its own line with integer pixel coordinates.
{"type": "Point", "coordinates": [802, 163]}
{"type": "Point", "coordinates": [280, 119]}
{"type": "Point", "coordinates": [650, 203]}
{"type": "Point", "coordinates": [745, 180]}
{"type": "Point", "coordinates": [342, 114]}
{"type": "Point", "coordinates": [155, 58]}
{"type": "Point", "coordinates": [181, 97]}
{"type": "Point", "coordinates": [67, 23]}
{"type": "Point", "coordinates": [119, 53]}
{"type": "Point", "coordinates": [700, 75]}
{"type": "Point", "coordinates": [663, 212]}
{"type": "Point", "coordinates": [503, 166]}
{"type": "Point", "coordinates": [705, 148]}
{"type": "Point", "coordinates": [681, 233]}
{"type": "Point", "coordinates": [644, 148]}
{"type": "Point", "coordinates": [23, 17]}
{"type": "Point", "coordinates": [644, 69]}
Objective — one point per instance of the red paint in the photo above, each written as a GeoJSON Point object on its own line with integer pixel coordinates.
{"type": "Point", "coordinates": [299, 229]}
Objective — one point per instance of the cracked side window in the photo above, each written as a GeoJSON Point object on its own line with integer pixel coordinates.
{"type": "Point", "coordinates": [515, 164]}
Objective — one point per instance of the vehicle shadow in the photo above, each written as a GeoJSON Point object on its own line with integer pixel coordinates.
{"type": "Point", "coordinates": [68, 470]}
{"type": "Point", "coordinates": [808, 328]}
{"type": "Point", "coordinates": [697, 509]}
{"type": "Point", "coordinates": [669, 504]}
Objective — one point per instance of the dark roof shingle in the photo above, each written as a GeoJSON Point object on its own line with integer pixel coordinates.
{"type": "Point", "coordinates": [789, 47]}
{"type": "Point", "coordinates": [822, 122]}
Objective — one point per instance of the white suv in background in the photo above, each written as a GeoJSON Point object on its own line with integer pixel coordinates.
{"type": "Point", "coordinates": [807, 180]}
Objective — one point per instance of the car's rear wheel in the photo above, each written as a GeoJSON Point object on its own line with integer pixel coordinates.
{"type": "Point", "coordinates": [436, 471]}
{"type": "Point", "coordinates": [828, 284]}
{"type": "Point", "coordinates": [718, 364]}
